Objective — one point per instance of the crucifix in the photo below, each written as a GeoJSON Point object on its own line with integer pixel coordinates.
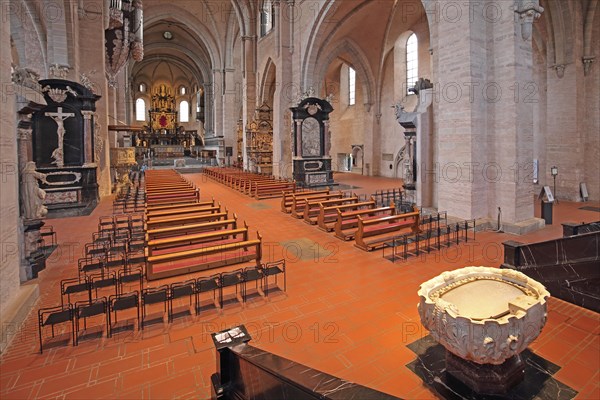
{"type": "Point", "coordinates": [59, 117]}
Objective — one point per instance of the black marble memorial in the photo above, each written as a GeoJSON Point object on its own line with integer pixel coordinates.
{"type": "Point", "coordinates": [63, 147]}
{"type": "Point", "coordinates": [247, 373]}
{"type": "Point", "coordinates": [567, 267]}
{"type": "Point", "coordinates": [311, 143]}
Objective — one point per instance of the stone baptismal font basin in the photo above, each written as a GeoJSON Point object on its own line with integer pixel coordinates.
{"type": "Point", "coordinates": [484, 317]}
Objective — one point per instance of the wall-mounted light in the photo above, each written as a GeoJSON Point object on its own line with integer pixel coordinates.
{"type": "Point", "coordinates": [168, 35]}
{"type": "Point", "coordinates": [554, 171]}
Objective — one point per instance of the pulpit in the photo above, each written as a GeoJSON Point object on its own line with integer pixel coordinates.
{"type": "Point", "coordinates": [312, 142]}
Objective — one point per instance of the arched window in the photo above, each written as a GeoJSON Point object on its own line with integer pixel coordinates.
{"type": "Point", "coordinates": [142, 87]}
{"type": "Point", "coordinates": [182, 90]}
{"type": "Point", "coordinates": [184, 111]}
{"type": "Point", "coordinates": [351, 86]}
{"type": "Point", "coordinates": [266, 17]}
{"type": "Point", "coordinates": [140, 110]}
{"type": "Point", "coordinates": [412, 62]}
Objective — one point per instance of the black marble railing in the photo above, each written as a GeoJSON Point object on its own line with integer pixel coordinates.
{"type": "Point", "coordinates": [552, 252]}
{"type": "Point", "coordinates": [569, 267]}
{"type": "Point", "coordinates": [247, 373]}
{"type": "Point", "coordinates": [572, 229]}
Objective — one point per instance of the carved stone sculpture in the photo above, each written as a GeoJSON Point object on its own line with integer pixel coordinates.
{"type": "Point", "coordinates": [31, 195]}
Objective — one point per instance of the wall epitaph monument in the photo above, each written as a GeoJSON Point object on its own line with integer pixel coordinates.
{"type": "Point", "coordinates": [312, 142]}
{"type": "Point", "coordinates": [63, 146]}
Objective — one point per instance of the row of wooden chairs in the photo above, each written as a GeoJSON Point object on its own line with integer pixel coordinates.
{"type": "Point", "coordinates": [431, 238]}
{"type": "Point", "coordinates": [119, 222]}
{"type": "Point", "coordinates": [85, 309]}
{"type": "Point", "coordinates": [145, 297]}
{"type": "Point", "coordinates": [89, 285]}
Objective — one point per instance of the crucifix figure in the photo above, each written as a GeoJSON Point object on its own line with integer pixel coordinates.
{"type": "Point", "coordinates": [59, 117]}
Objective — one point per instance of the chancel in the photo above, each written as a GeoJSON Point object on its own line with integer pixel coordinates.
{"type": "Point", "coordinates": [248, 199]}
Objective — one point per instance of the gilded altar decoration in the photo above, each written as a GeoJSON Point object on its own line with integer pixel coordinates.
{"type": "Point", "coordinates": [259, 141]}
{"type": "Point", "coordinates": [162, 112]}
{"type": "Point", "coordinates": [163, 134]}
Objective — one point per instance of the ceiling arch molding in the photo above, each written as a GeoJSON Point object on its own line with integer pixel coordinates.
{"type": "Point", "coordinates": [268, 77]}
{"type": "Point", "coordinates": [359, 62]}
{"type": "Point", "coordinates": [153, 50]}
{"type": "Point", "coordinates": [233, 32]}
{"type": "Point", "coordinates": [23, 25]}
{"type": "Point", "coordinates": [202, 33]}
{"type": "Point", "coordinates": [157, 59]}
{"type": "Point", "coordinates": [559, 18]}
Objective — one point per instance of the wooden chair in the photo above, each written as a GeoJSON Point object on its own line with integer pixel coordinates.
{"type": "Point", "coordinates": [55, 315]}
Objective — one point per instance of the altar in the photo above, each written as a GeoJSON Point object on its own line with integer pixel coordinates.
{"type": "Point", "coordinates": [163, 136]}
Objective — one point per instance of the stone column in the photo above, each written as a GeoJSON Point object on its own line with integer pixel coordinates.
{"type": "Point", "coordinates": [284, 93]}
{"type": "Point", "coordinates": [424, 141]}
{"type": "Point", "coordinates": [91, 33]}
{"type": "Point", "coordinates": [231, 96]}
{"type": "Point", "coordinates": [249, 88]}
{"type": "Point", "coordinates": [461, 63]}
{"type": "Point", "coordinates": [88, 136]}
{"type": "Point", "coordinates": [15, 301]}
{"type": "Point", "coordinates": [509, 171]}
{"type": "Point", "coordinates": [218, 88]}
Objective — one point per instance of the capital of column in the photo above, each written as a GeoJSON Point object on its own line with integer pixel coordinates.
{"type": "Point", "coordinates": [87, 114]}
{"type": "Point", "coordinates": [529, 11]}
{"type": "Point", "coordinates": [560, 70]}
{"type": "Point", "coordinates": [24, 133]}
{"type": "Point", "coordinates": [587, 64]}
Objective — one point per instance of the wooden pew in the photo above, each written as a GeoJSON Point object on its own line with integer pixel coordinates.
{"type": "Point", "coordinates": [187, 220]}
{"type": "Point", "coordinates": [287, 198]}
{"type": "Point", "coordinates": [177, 212]}
{"type": "Point", "coordinates": [346, 223]}
{"type": "Point", "coordinates": [168, 185]}
{"type": "Point", "coordinates": [299, 203]}
{"type": "Point", "coordinates": [373, 233]}
{"type": "Point", "coordinates": [150, 208]}
{"type": "Point", "coordinates": [328, 215]}
{"type": "Point", "coordinates": [173, 197]}
{"type": "Point", "coordinates": [184, 262]}
{"type": "Point", "coordinates": [198, 240]}
{"type": "Point", "coordinates": [313, 207]}
{"type": "Point", "coordinates": [248, 184]}
{"type": "Point", "coordinates": [270, 190]}
{"type": "Point", "coordinates": [161, 233]}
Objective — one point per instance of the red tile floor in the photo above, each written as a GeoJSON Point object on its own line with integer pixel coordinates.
{"type": "Point", "coordinates": [346, 312]}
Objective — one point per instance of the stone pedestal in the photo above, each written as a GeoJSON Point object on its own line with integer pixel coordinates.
{"type": "Point", "coordinates": [70, 191]}
{"type": "Point", "coordinates": [486, 378]}
{"type": "Point", "coordinates": [34, 259]}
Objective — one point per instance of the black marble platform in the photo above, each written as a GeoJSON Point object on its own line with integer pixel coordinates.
{"type": "Point", "coordinates": [572, 229]}
{"type": "Point", "coordinates": [430, 366]}
{"type": "Point", "coordinates": [258, 374]}
{"type": "Point", "coordinates": [68, 211]}
{"type": "Point", "coordinates": [590, 208]}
